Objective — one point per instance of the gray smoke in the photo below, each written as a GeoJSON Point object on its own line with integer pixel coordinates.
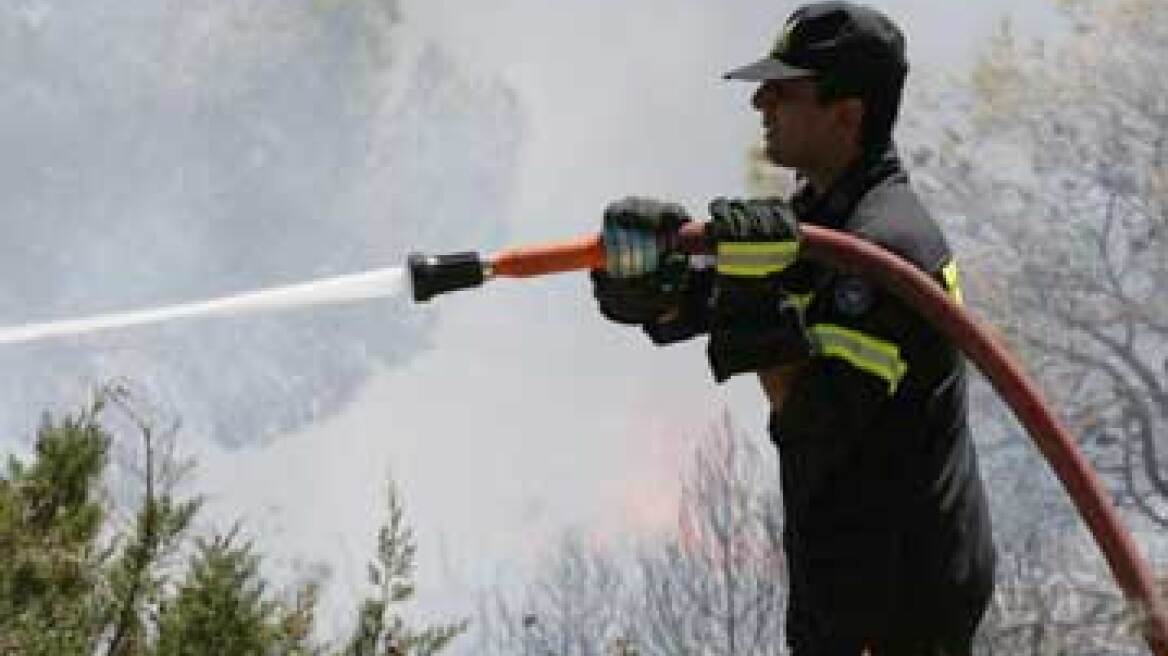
{"type": "Point", "coordinates": [154, 152]}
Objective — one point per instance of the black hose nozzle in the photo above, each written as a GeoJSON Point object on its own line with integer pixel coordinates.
{"type": "Point", "coordinates": [431, 275]}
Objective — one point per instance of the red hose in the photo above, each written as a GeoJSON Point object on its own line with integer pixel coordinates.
{"type": "Point", "coordinates": [847, 252]}
{"type": "Point", "coordinates": [1132, 572]}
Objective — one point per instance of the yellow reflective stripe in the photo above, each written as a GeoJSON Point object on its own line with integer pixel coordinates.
{"type": "Point", "coordinates": [802, 301]}
{"type": "Point", "coordinates": [755, 259]}
{"type": "Point", "coordinates": [952, 281]}
{"type": "Point", "coordinates": [875, 356]}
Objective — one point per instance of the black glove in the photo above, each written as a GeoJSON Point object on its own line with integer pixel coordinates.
{"type": "Point", "coordinates": [638, 235]}
{"type": "Point", "coordinates": [753, 323]}
{"type": "Point", "coordinates": [645, 278]}
{"type": "Point", "coordinates": [760, 225]}
{"type": "Point", "coordinates": [691, 317]}
{"type": "Point", "coordinates": [632, 301]}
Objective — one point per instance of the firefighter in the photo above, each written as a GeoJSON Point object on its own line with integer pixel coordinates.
{"type": "Point", "coordinates": [887, 531]}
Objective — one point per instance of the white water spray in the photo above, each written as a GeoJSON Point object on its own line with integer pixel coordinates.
{"type": "Point", "coordinates": [377, 283]}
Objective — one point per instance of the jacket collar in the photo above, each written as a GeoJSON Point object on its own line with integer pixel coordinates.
{"type": "Point", "coordinates": [832, 209]}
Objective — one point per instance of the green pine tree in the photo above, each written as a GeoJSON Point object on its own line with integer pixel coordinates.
{"type": "Point", "coordinates": [134, 580]}
{"type": "Point", "coordinates": [221, 606]}
{"type": "Point", "coordinates": [50, 519]}
{"type": "Point", "coordinates": [75, 583]}
{"type": "Point", "coordinates": [381, 630]}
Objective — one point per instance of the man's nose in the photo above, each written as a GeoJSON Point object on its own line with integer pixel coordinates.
{"type": "Point", "coordinates": [759, 97]}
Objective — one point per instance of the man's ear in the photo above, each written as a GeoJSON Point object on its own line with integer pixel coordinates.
{"type": "Point", "coordinates": [850, 115]}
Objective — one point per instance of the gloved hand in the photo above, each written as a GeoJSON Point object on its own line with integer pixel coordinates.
{"type": "Point", "coordinates": [754, 237]}
{"type": "Point", "coordinates": [637, 235]}
{"type": "Point", "coordinates": [644, 277]}
{"type": "Point", "coordinates": [753, 323]}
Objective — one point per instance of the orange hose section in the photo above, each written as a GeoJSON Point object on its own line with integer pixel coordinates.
{"type": "Point", "coordinates": [558, 257]}
{"type": "Point", "coordinates": [844, 251]}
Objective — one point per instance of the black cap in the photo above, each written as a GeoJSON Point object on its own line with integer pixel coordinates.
{"type": "Point", "coordinates": [849, 41]}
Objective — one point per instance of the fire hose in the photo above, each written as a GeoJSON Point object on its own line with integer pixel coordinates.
{"type": "Point", "coordinates": [433, 275]}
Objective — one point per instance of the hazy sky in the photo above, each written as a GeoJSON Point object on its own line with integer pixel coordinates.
{"type": "Point", "coordinates": [529, 414]}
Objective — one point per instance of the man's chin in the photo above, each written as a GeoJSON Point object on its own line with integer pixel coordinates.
{"type": "Point", "coordinates": [774, 155]}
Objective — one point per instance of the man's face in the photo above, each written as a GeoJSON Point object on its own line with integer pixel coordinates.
{"type": "Point", "coordinates": [798, 129]}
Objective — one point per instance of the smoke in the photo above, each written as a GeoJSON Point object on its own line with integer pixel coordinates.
{"type": "Point", "coordinates": [764, 178]}
{"type": "Point", "coordinates": [161, 152]}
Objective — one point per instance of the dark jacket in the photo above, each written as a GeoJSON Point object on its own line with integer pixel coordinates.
{"type": "Point", "coordinates": [887, 527]}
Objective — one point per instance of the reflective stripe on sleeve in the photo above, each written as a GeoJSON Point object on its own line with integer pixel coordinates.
{"type": "Point", "coordinates": [755, 259]}
{"type": "Point", "coordinates": [952, 281]}
{"type": "Point", "coordinates": [802, 301]}
{"type": "Point", "coordinates": [875, 356]}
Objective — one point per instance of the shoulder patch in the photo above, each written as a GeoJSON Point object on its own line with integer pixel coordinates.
{"type": "Point", "coordinates": [853, 296]}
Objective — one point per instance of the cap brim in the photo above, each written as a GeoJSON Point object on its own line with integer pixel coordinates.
{"type": "Point", "coordinates": [768, 69]}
